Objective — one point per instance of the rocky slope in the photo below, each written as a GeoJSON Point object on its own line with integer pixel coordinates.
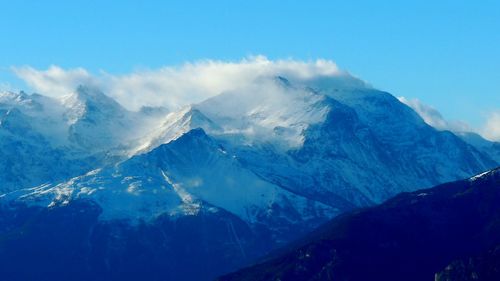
{"type": "Point", "coordinates": [410, 237]}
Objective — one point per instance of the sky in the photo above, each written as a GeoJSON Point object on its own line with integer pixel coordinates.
{"type": "Point", "coordinates": [444, 54]}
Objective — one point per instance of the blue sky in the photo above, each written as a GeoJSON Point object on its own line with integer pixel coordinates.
{"type": "Point", "coordinates": [445, 53]}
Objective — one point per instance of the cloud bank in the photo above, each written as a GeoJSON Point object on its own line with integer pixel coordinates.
{"type": "Point", "coordinates": [174, 87]}
{"type": "Point", "coordinates": [54, 81]}
{"type": "Point", "coordinates": [177, 86]}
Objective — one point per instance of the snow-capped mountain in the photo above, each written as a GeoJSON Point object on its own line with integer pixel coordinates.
{"type": "Point", "coordinates": [46, 140]}
{"type": "Point", "coordinates": [276, 157]}
{"type": "Point", "coordinates": [180, 178]}
{"type": "Point", "coordinates": [338, 145]}
{"type": "Point", "coordinates": [31, 151]}
{"type": "Point", "coordinates": [97, 123]}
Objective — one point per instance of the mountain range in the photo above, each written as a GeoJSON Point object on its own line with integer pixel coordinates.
{"type": "Point", "coordinates": [194, 192]}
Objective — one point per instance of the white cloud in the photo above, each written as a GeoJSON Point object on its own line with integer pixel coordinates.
{"type": "Point", "coordinates": [176, 86]}
{"type": "Point", "coordinates": [490, 130]}
{"type": "Point", "coordinates": [433, 117]}
{"type": "Point", "coordinates": [54, 81]}
{"type": "Point", "coordinates": [430, 115]}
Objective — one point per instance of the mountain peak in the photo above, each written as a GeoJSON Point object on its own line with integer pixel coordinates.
{"type": "Point", "coordinates": [195, 133]}
{"type": "Point", "coordinates": [199, 120]}
{"type": "Point", "coordinates": [90, 102]}
{"type": "Point", "coordinates": [194, 138]}
{"type": "Point", "coordinates": [93, 95]}
{"type": "Point", "coordinates": [282, 81]}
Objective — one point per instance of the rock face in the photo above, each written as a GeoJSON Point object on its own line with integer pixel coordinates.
{"type": "Point", "coordinates": [410, 237]}
{"type": "Point", "coordinates": [275, 157]}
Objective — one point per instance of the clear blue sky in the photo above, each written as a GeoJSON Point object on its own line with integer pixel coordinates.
{"type": "Point", "coordinates": [446, 53]}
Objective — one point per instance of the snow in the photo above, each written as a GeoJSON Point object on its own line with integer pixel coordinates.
{"type": "Point", "coordinates": [280, 113]}
{"type": "Point", "coordinates": [190, 206]}
{"type": "Point", "coordinates": [480, 176]}
{"type": "Point", "coordinates": [297, 150]}
{"type": "Point", "coordinates": [216, 179]}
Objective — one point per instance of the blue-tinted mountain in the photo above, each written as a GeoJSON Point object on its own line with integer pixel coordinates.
{"type": "Point", "coordinates": [451, 231]}
{"type": "Point", "coordinates": [275, 158]}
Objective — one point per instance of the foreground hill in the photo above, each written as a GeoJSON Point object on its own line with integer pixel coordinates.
{"type": "Point", "coordinates": [451, 231]}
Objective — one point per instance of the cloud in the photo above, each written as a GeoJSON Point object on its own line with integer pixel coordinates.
{"type": "Point", "coordinates": [54, 81]}
{"type": "Point", "coordinates": [489, 130]}
{"type": "Point", "coordinates": [433, 117]}
{"type": "Point", "coordinates": [177, 86]}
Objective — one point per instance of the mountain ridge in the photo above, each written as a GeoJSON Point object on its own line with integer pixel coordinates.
{"type": "Point", "coordinates": [413, 236]}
